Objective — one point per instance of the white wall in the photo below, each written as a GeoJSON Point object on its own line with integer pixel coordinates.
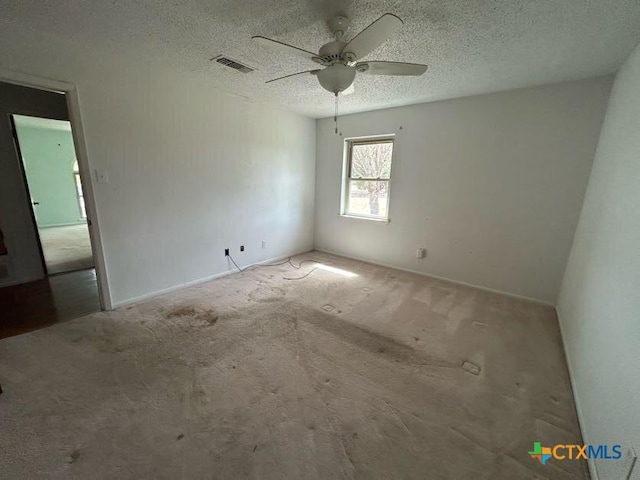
{"type": "Point", "coordinates": [191, 170]}
{"type": "Point", "coordinates": [599, 306]}
{"type": "Point", "coordinates": [491, 185]}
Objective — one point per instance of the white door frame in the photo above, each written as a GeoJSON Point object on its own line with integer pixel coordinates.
{"type": "Point", "coordinates": [73, 106]}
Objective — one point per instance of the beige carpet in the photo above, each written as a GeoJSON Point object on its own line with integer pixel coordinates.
{"type": "Point", "coordinates": [66, 248]}
{"type": "Point", "coordinates": [354, 371]}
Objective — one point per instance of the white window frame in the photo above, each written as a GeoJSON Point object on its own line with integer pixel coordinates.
{"type": "Point", "coordinates": [346, 176]}
{"type": "Point", "coordinates": [82, 206]}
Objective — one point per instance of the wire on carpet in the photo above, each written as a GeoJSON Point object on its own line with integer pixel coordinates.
{"type": "Point", "coordinates": [304, 276]}
{"type": "Point", "coordinates": [288, 260]}
{"type": "Point", "coordinates": [257, 265]}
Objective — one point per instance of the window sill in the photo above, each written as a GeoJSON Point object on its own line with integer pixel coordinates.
{"type": "Point", "coordinates": [369, 219]}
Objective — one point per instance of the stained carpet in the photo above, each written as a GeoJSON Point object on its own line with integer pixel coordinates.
{"type": "Point", "coordinates": [350, 371]}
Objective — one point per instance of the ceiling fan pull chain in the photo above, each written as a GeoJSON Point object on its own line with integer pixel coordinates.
{"type": "Point", "coordinates": [335, 115]}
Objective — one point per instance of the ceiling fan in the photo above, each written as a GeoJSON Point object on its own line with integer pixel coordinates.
{"type": "Point", "coordinates": [340, 58]}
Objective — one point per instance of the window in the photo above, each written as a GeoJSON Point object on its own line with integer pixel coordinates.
{"type": "Point", "coordinates": [366, 181]}
{"type": "Point", "coordinates": [79, 194]}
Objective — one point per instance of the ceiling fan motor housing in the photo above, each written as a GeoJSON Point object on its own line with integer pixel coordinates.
{"type": "Point", "coordinates": [331, 52]}
{"type": "Point", "coordinates": [337, 78]}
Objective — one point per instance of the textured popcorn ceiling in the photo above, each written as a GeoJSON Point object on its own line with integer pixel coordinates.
{"type": "Point", "coordinates": [471, 46]}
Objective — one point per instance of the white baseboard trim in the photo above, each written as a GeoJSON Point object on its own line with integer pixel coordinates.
{"type": "Point", "coordinates": [147, 296]}
{"type": "Point", "coordinates": [54, 225]}
{"type": "Point", "coordinates": [593, 471]}
{"type": "Point", "coordinates": [457, 282]}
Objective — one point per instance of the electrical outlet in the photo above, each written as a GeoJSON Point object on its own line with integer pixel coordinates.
{"type": "Point", "coordinates": [264, 244]}
{"type": "Point", "coordinates": [242, 248]}
{"type": "Point", "coordinates": [226, 252]}
{"type": "Point", "coordinates": [421, 253]}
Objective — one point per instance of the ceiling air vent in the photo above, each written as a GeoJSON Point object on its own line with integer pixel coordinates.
{"type": "Point", "coordinates": [229, 62]}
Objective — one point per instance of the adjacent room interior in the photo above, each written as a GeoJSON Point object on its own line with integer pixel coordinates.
{"type": "Point", "coordinates": [320, 239]}
{"type": "Point", "coordinates": [53, 178]}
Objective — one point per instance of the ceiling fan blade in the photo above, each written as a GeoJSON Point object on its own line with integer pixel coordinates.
{"type": "Point", "coordinates": [349, 90]}
{"type": "Point", "coordinates": [372, 37]}
{"type": "Point", "coordinates": [313, 72]}
{"type": "Point", "coordinates": [391, 68]}
{"type": "Point", "coordinates": [284, 47]}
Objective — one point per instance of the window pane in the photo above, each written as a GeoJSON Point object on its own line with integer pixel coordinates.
{"type": "Point", "coordinates": [371, 160]}
{"type": "Point", "coordinates": [370, 198]}
{"type": "Point", "coordinates": [78, 184]}
{"type": "Point", "coordinates": [83, 209]}
{"type": "Point", "coordinates": [80, 195]}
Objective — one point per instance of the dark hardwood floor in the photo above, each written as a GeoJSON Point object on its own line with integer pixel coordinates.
{"type": "Point", "coordinates": [55, 299]}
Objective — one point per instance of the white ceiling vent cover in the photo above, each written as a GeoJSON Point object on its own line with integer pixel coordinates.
{"type": "Point", "coordinates": [231, 63]}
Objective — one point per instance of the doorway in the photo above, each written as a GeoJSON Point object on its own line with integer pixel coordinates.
{"type": "Point", "coordinates": [51, 259]}
{"type": "Point", "coordinates": [52, 179]}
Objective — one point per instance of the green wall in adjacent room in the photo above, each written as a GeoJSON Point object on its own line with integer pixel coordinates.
{"type": "Point", "coordinates": [49, 156]}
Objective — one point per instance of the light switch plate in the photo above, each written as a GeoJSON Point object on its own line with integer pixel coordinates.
{"type": "Point", "coordinates": [102, 176]}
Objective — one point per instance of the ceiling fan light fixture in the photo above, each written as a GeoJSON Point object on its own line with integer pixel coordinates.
{"type": "Point", "coordinates": [337, 78]}
{"type": "Point", "coordinates": [340, 57]}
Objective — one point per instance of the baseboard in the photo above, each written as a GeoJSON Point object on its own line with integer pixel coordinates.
{"type": "Point", "coordinates": [585, 439]}
{"type": "Point", "coordinates": [457, 282]}
{"type": "Point", "coordinates": [54, 225]}
{"type": "Point", "coordinates": [192, 283]}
